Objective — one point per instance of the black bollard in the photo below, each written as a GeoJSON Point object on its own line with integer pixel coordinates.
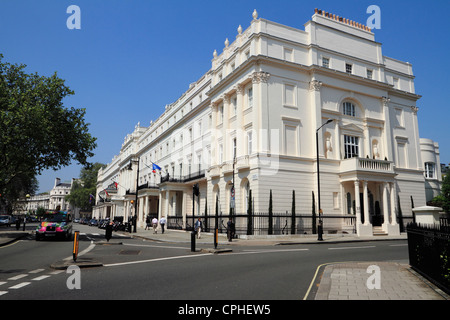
{"type": "Point", "coordinates": [193, 241]}
{"type": "Point", "coordinates": [320, 231]}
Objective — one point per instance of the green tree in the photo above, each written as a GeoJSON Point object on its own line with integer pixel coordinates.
{"type": "Point", "coordinates": [37, 131]}
{"type": "Point", "coordinates": [443, 200]}
{"type": "Point", "coordinates": [81, 190]}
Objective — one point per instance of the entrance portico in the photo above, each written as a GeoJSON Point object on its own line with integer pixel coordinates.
{"type": "Point", "coordinates": [370, 193]}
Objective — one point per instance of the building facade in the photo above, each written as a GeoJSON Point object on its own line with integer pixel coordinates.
{"type": "Point", "coordinates": [48, 201]}
{"type": "Point", "coordinates": [251, 122]}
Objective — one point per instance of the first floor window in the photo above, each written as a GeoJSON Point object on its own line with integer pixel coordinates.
{"type": "Point", "coordinates": [429, 170]}
{"type": "Point", "coordinates": [351, 145]}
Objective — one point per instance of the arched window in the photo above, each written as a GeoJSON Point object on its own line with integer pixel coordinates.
{"type": "Point", "coordinates": [348, 109]}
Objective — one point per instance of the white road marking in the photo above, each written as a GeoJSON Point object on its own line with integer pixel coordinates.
{"type": "Point", "coordinates": [40, 278]}
{"type": "Point", "coordinates": [57, 272]}
{"type": "Point", "coordinates": [274, 250]}
{"type": "Point", "coordinates": [36, 271]}
{"type": "Point", "coordinates": [20, 285]}
{"type": "Point", "coordinates": [346, 248]}
{"type": "Point", "coordinates": [153, 246]}
{"type": "Point", "coordinates": [157, 259]}
{"type": "Point", "coordinates": [3, 292]}
{"type": "Point", "coordinates": [20, 276]}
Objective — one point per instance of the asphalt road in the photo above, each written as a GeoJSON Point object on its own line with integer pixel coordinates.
{"type": "Point", "coordinates": [137, 269]}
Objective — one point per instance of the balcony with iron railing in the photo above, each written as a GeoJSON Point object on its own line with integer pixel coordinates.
{"type": "Point", "coordinates": [182, 179]}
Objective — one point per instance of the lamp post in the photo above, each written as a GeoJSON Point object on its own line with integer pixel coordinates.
{"type": "Point", "coordinates": [136, 198]}
{"type": "Point", "coordinates": [195, 192]}
{"type": "Point", "coordinates": [320, 227]}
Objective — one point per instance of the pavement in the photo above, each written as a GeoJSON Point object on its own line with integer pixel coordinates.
{"type": "Point", "coordinates": [335, 281]}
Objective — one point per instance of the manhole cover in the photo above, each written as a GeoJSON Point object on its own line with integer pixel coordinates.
{"type": "Point", "coordinates": [129, 252]}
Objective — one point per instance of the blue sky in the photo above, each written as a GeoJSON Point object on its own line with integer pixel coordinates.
{"type": "Point", "coordinates": [131, 58]}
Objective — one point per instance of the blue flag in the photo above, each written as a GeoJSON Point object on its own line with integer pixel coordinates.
{"type": "Point", "coordinates": [155, 167]}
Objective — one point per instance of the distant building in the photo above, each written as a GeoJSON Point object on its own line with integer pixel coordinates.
{"type": "Point", "coordinates": [48, 201]}
{"type": "Point", "coordinates": [251, 122]}
{"type": "Point", "coordinates": [58, 193]}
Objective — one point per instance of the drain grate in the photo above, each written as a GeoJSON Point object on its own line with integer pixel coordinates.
{"type": "Point", "coordinates": [129, 252]}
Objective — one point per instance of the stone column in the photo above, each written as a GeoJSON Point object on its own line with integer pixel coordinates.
{"type": "Point", "coordinates": [316, 113]}
{"type": "Point", "coordinates": [241, 136]}
{"type": "Point", "coordinates": [160, 203]}
{"type": "Point", "coordinates": [357, 204]}
{"type": "Point", "coordinates": [226, 120]}
{"type": "Point", "coordinates": [388, 152]}
{"type": "Point", "coordinates": [385, 206]}
{"type": "Point", "coordinates": [166, 210]}
{"type": "Point", "coordinates": [393, 203]}
{"type": "Point", "coordinates": [365, 230]}
{"type": "Point", "coordinates": [213, 129]}
{"type": "Point", "coordinates": [140, 211]}
{"type": "Point", "coordinates": [366, 204]}
{"type": "Point", "coordinates": [256, 111]}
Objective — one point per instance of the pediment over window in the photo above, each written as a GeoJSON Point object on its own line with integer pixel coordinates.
{"type": "Point", "coordinates": [351, 128]}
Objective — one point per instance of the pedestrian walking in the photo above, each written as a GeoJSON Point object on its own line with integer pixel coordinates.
{"type": "Point", "coordinates": [108, 230]}
{"type": "Point", "coordinates": [162, 222]}
{"type": "Point", "coordinates": [155, 225]}
{"type": "Point", "coordinates": [147, 222]}
{"type": "Point", "coordinates": [230, 230]}
{"type": "Point", "coordinates": [198, 228]}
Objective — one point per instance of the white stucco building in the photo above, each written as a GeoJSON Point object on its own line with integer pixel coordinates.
{"type": "Point", "coordinates": [252, 119]}
{"type": "Point", "coordinates": [49, 201]}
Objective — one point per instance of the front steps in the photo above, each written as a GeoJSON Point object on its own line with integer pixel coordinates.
{"type": "Point", "coordinates": [378, 231]}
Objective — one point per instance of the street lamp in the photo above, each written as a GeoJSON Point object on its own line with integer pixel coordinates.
{"type": "Point", "coordinates": [195, 192]}
{"type": "Point", "coordinates": [320, 227]}
{"type": "Point", "coordinates": [136, 198]}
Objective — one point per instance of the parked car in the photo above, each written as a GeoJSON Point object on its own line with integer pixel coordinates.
{"type": "Point", "coordinates": [55, 224]}
{"type": "Point", "coordinates": [5, 220]}
{"type": "Point", "coordinates": [93, 222]}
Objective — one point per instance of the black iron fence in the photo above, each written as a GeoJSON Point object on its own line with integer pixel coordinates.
{"type": "Point", "coordinates": [429, 252]}
{"type": "Point", "coordinates": [261, 223]}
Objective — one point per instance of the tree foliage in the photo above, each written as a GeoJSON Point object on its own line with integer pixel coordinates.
{"type": "Point", "coordinates": [37, 131]}
{"type": "Point", "coordinates": [443, 200]}
{"type": "Point", "coordinates": [84, 187]}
